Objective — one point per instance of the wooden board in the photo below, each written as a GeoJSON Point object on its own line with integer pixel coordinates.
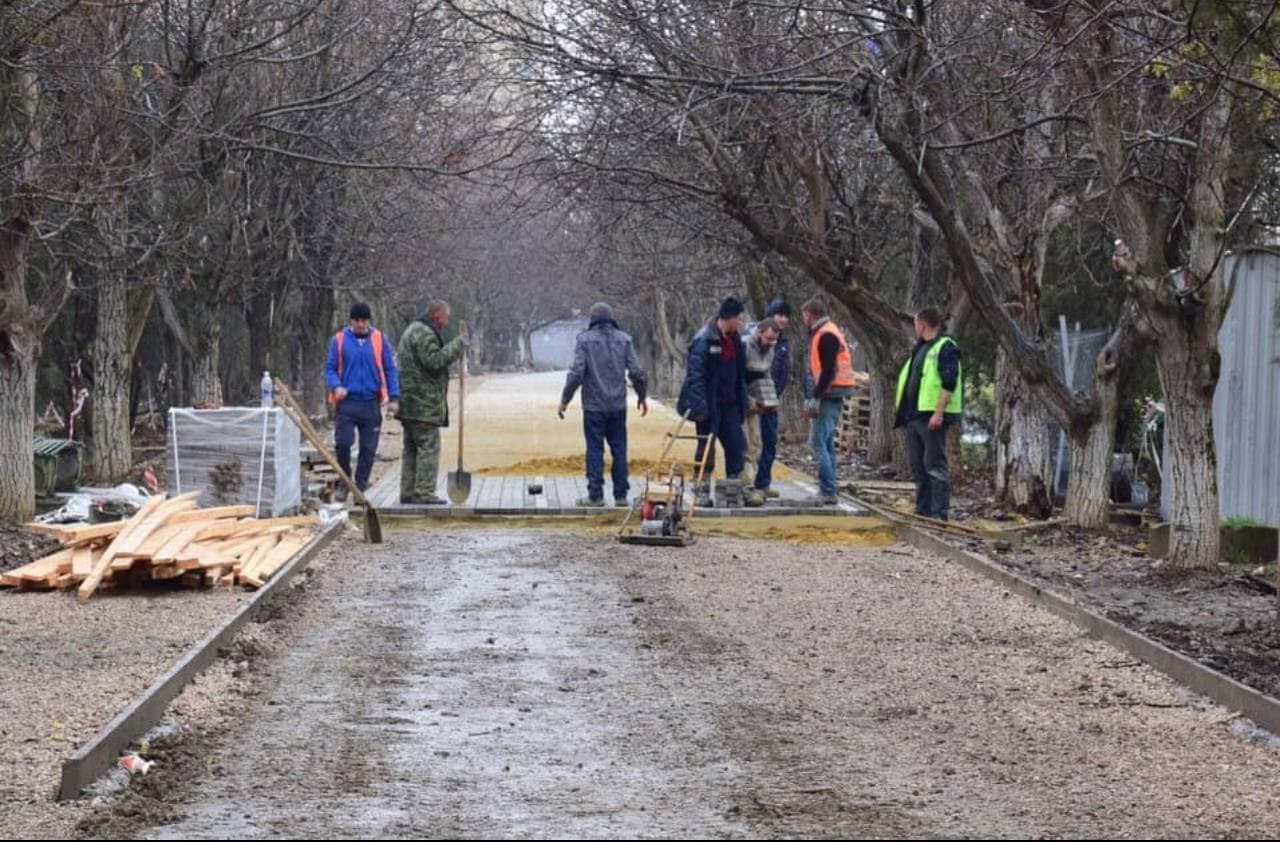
{"type": "Point", "coordinates": [82, 559]}
{"type": "Point", "coordinates": [166, 571]}
{"type": "Point", "coordinates": [250, 526]}
{"type": "Point", "coordinates": [274, 559]}
{"type": "Point", "coordinates": [41, 568]}
{"type": "Point", "coordinates": [251, 561]}
{"type": "Point", "coordinates": [86, 533]}
{"type": "Point", "coordinates": [156, 540]}
{"type": "Point", "coordinates": [215, 513]}
{"type": "Point", "coordinates": [56, 530]}
{"type": "Point", "coordinates": [186, 533]}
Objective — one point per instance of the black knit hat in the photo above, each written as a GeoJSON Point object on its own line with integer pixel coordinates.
{"type": "Point", "coordinates": [731, 307]}
{"type": "Point", "coordinates": [778, 307]}
{"type": "Point", "coordinates": [361, 311]}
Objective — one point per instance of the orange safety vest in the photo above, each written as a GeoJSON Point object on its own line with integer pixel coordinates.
{"type": "Point", "coordinates": [375, 337]}
{"type": "Point", "coordinates": [844, 360]}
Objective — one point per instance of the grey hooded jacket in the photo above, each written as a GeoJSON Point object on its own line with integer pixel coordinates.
{"type": "Point", "coordinates": [603, 357]}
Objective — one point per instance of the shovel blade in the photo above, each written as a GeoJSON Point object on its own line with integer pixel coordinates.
{"type": "Point", "coordinates": [458, 485]}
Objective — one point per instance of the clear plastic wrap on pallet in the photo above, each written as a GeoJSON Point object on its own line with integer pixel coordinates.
{"type": "Point", "coordinates": [236, 455]}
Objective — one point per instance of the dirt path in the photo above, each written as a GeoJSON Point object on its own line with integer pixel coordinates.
{"type": "Point", "coordinates": [521, 683]}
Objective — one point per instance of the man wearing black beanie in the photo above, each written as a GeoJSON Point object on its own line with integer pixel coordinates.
{"type": "Point", "coordinates": [715, 391]}
{"type": "Point", "coordinates": [362, 376]}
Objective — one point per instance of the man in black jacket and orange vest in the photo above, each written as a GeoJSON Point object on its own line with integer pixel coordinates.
{"type": "Point", "coordinates": [361, 372]}
{"type": "Point", "coordinates": [831, 379]}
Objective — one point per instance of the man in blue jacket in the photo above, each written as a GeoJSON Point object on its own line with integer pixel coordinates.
{"type": "Point", "coordinates": [361, 372]}
{"type": "Point", "coordinates": [715, 391]}
{"type": "Point", "coordinates": [603, 358]}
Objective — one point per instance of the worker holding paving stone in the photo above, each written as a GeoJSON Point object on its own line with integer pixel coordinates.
{"type": "Point", "coordinates": [762, 408]}
{"type": "Point", "coordinates": [603, 358]}
{"type": "Point", "coordinates": [424, 405]}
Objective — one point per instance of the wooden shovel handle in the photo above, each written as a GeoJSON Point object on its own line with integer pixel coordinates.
{"type": "Point", "coordinates": [462, 391]}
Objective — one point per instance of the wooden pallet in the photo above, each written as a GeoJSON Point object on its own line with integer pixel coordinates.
{"type": "Point", "coordinates": [854, 432]}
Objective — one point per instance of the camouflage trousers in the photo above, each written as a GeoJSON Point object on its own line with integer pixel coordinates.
{"type": "Point", "coordinates": [420, 463]}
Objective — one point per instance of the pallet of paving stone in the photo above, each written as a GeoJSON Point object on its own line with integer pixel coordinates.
{"type": "Point", "coordinates": [167, 539]}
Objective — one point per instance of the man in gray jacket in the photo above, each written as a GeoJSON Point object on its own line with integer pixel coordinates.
{"type": "Point", "coordinates": [603, 358]}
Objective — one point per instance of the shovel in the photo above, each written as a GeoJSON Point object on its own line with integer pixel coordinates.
{"type": "Point", "coordinates": [458, 483]}
{"type": "Point", "coordinates": [372, 522]}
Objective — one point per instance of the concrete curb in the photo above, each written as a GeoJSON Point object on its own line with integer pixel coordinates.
{"type": "Point", "coordinates": [102, 752]}
{"type": "Point", "coordinates": [1264, 710]}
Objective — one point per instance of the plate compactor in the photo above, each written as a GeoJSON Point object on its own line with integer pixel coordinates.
{"type": "Point", "coordinates": [662, 517]}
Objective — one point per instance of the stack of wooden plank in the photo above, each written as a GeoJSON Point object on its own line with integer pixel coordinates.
{"type": "Point", "coordinates": [167, 539]}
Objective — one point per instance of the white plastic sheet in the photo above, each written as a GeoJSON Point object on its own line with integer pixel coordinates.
{"type": "Point", "coordinates": [236, 455]}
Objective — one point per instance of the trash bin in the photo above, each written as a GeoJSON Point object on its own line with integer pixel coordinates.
{"type": "Point", "coordinates": [58, 464]}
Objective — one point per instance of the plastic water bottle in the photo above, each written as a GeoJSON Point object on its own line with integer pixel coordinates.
{"type": "Point", "coordinates": [265, 389]}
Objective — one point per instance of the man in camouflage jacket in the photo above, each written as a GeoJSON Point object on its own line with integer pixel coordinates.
{"type": "Point", "coordinates": [424, 404]}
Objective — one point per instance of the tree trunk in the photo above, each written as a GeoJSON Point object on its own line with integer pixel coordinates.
{"type": "Point", "coordinates": [1191, 478]}
{"type": "Point", "coordinates": [206, 385]}
{"type": "Point", "coordinates": [17, 413]}
{"type": "Point", "coordinates": [1089, 489]}
{"type": "Point", "coordinates": [313, 326]}
{"type": "Point", "coordinates": [791, 409]}
{"type": "Point", "coordinates": [881, 442]}
{"type": "Point", "coordinates": [526, 346]}
{"type": "Point", "coordinates": [178, 391]}
{"type": "Point", "coordinates": [1023, 452]}
{"type": "Point", "coordinates": [669, 359]}
{"type": "Point", "coordinates": [111, 456]}
{"type": "Point", "coordinates": [257, 319]}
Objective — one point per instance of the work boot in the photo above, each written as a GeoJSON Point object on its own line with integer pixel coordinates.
{"type": "Point", "coordinates": [753, 498]}
{"type": "Point", "coordinates": [621, 502]}
{"type": "Point", "coordinates": [340, 494]}
{"type": "Point", "coordinates": [702, 497]}
{"type": "Point", "coordinates": [591, 502]}
{"type": "Point", "coordinates": [823, 500]}
{"type": "Point", "coordinates": [772, 493]}
{"type": "Point", "coordinates": [423, 500]}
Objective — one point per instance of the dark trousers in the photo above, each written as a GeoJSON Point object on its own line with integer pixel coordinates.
{"type": "Point", "coordinates": [365, 416]}
{"type": "Point", "coordinates": [726, 425]}
{"type": "Point", "coordinates": [768, 449]}
{"type": "Point", "coordinates": [600, 427]}
{"type": "Point", "coordinates": [927, 451]}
